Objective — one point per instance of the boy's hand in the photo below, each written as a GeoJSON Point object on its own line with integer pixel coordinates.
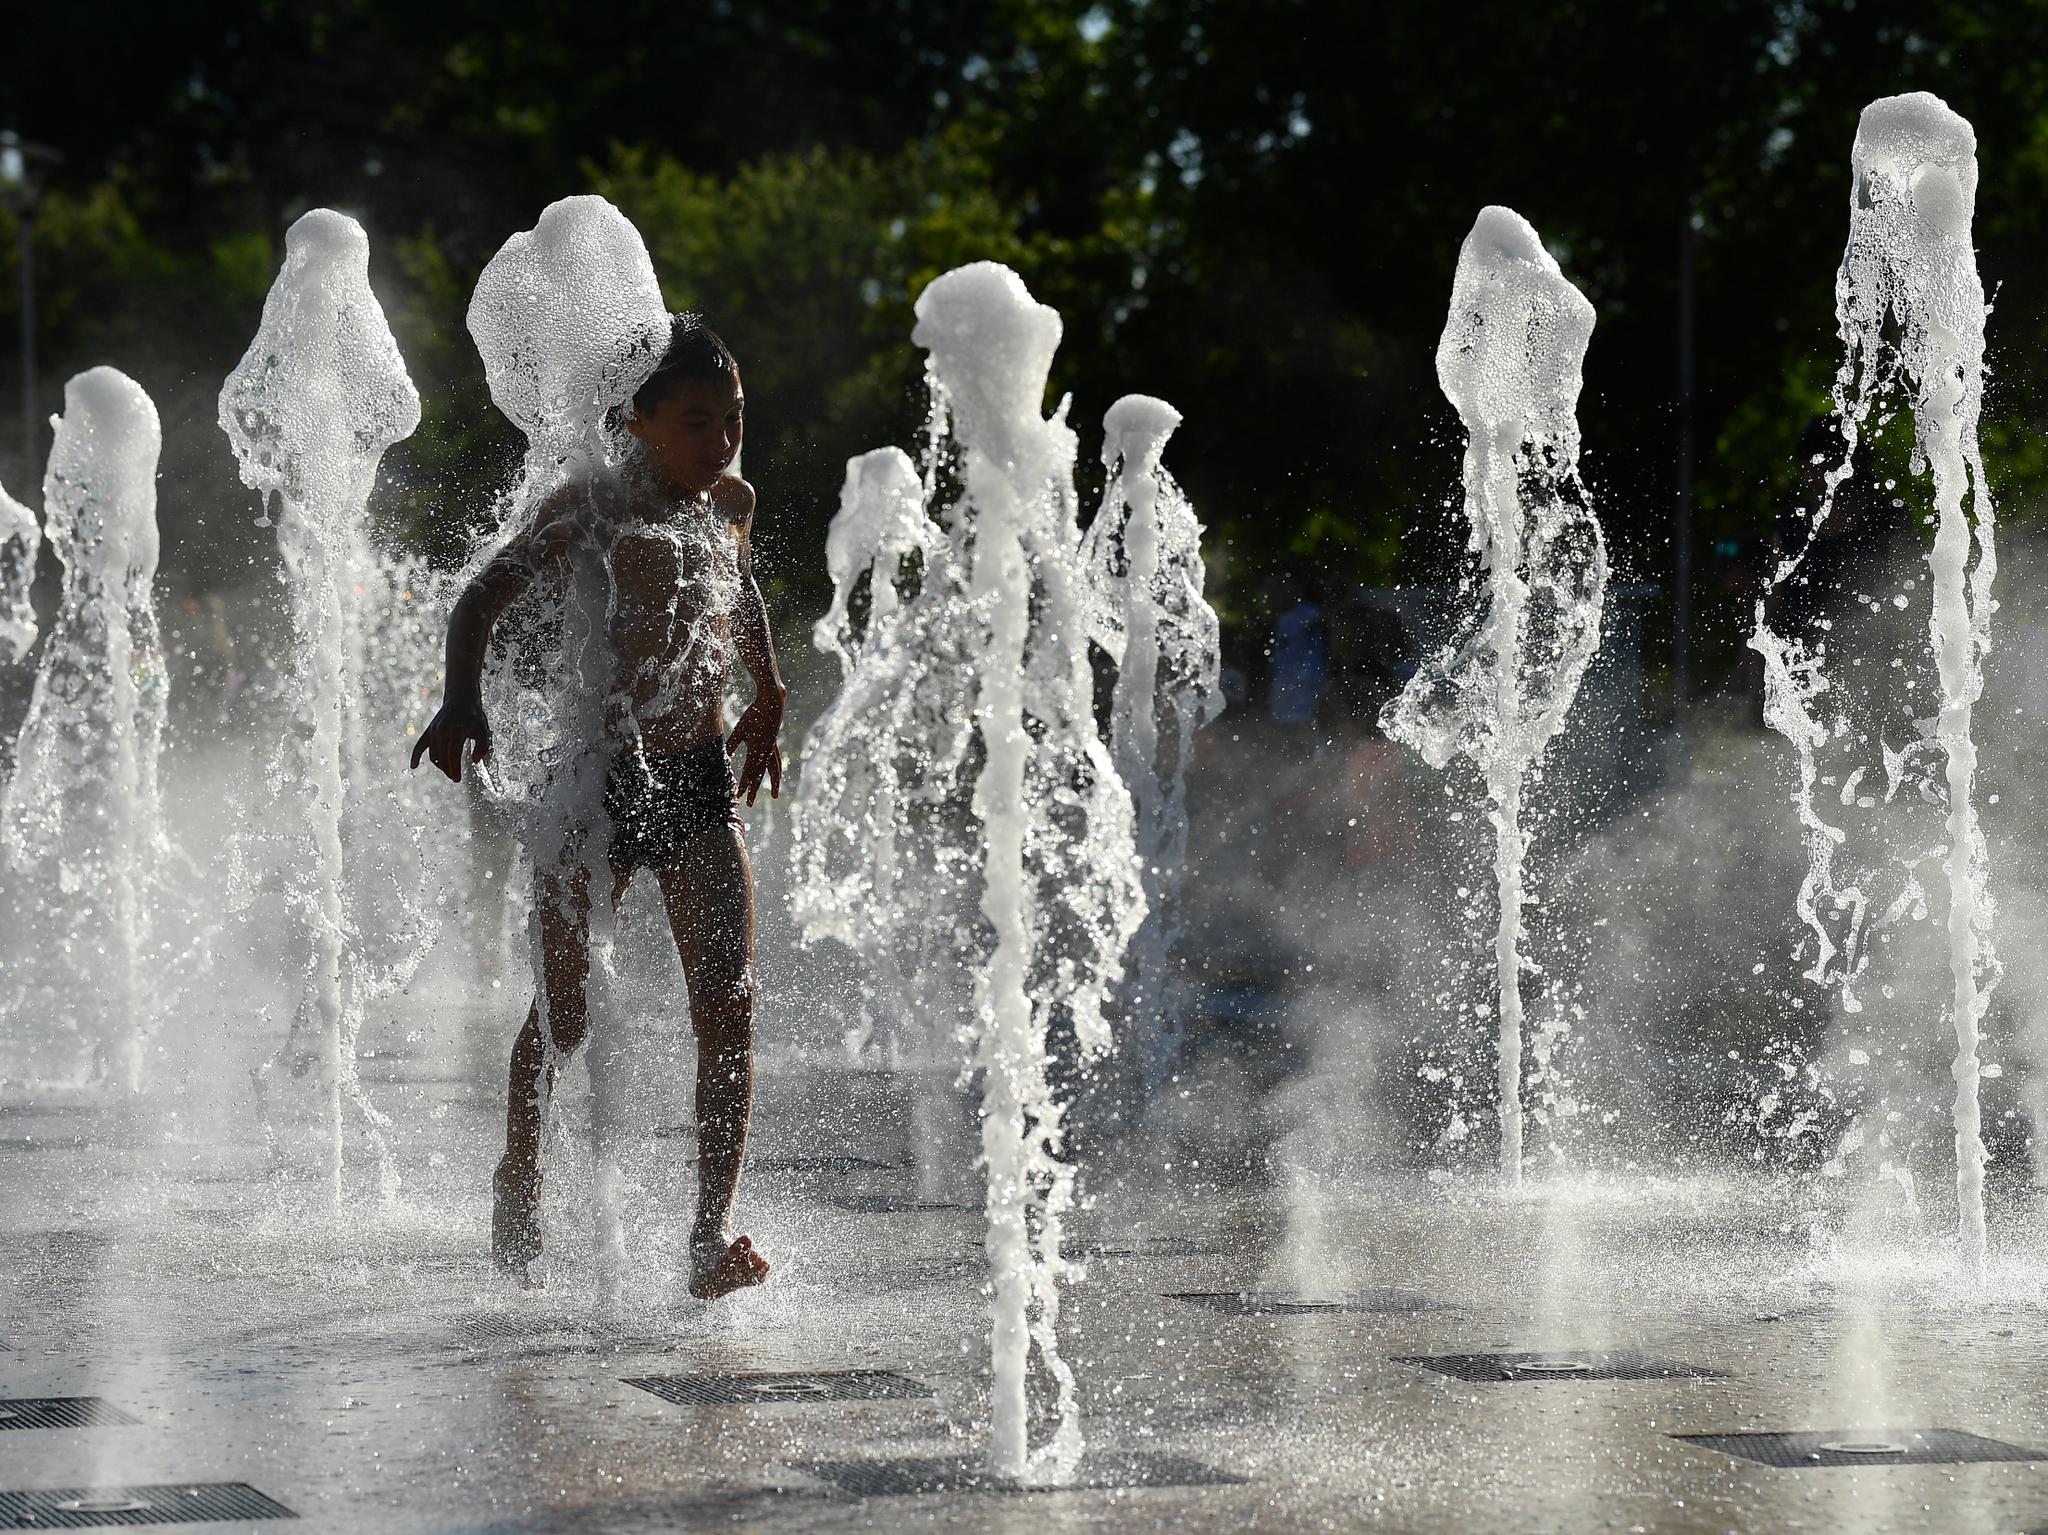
{"type": "Point", "coordinates": [757, 731]}
{"type": "Point", "coordinates": [459, 722]}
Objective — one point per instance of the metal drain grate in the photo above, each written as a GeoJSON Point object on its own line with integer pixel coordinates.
{"type": "Point", "coordinates": [823, 1164]}
{"type": "Point", "coordinates": [83, 1508]}
{"type": "Point", "coordinates": [890, 1204]}
{"type": "Point", "coordinates": [1098, 1473]}
{"type": "Point", "coordinates": [1275, 1303]}
{"type": "Point", "coordinates": [509, 1324]}
{"type": "Point", "coordinates": [60, 1412]}
{"type": "Point", "coordinates": [1861, 1447]}
{"type": "Point", "coordinates": [754, 1390]}
{"type": "Point", "coordinates": [1146, 1247]}
{"type": "Point", "coordinates": [1561, 1364]}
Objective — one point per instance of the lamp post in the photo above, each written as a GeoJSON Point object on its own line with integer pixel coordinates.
{"type": "Point", "coordinates": [21, 167]}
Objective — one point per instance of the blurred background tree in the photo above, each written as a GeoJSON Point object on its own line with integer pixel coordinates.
{"type": "Point", "coordinates": [1252, 209]}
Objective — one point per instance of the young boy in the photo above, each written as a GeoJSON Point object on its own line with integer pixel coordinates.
{"type": "Point", "coordinates": [669, 792]}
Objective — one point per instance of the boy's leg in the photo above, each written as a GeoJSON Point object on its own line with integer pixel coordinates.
{"type": "Point", "coordinates": [709, 893]}
{"type": "Point", "coordinates": [565, 966]}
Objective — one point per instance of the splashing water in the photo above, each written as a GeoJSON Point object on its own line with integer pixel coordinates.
{"type": "Point", "coordinates": [1910, 262]}
{"type": "Point", "coordinates": [310, 409]}
{"type": "Point", "coordinates": [1143, 555]}
{"type": "Point", "coordinates": [850, 799]}
{"type": "Point", "coordinates": [1510, 361]}
{"type": "Point", "coordinates": [82, 812]}
{"type": "Point", "coordinates": [963, 747]}
{"type": "Point", "coordinates": [569, 321]}
{"type": "Point", "coordinates": [1061, 888]}
{"type": "Point", "coordinates": [20, 539]}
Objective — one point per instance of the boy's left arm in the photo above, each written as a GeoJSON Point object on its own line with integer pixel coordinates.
{"type": "Point", "coordinates": [761, 724]}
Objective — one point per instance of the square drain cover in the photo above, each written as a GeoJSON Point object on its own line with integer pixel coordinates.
{"type": "Point", "coordinates": [890, 1204]}
{"type": "Point", "coordinates": [60, 1412]}
{"type": "Point", "coordinates": [84, 1508]}
{"type": "Point", "coordinates": [1564, 1364]}
{"type": "Point", "coordinates": [1861, 1447]}
{"type": "Point", "coordinates": [833, 1163]}
{"type": "Point", "coordinates": [1146, 1247]}
{"type": "Point", "coordinates": [1098, 1473]}
{"type": "Point", "coordinates": [513, 1324]}
{"type": "Point", "coordinates": [1283, 1303]}
{"type": "Point", "coordinates": [750, 1390]}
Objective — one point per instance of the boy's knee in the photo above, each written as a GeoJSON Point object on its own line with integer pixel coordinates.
{"type": "Point", "coordinates": [724, 1014]}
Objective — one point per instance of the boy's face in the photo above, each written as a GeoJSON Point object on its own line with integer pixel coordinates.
{"type": "Point", "coordinates": [692, 437]}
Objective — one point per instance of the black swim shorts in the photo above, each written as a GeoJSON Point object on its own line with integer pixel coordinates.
{"type": "Point", "coordinates": [659, 805]}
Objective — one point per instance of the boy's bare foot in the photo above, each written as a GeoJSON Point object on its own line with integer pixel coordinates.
{"type": "Point", "coordinates": [515, 1220]}
{"type": "Point", "coordinates": [718, 1267]}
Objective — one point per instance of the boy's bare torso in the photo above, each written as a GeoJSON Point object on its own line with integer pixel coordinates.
{"type": "Point", "coordinates": [672, 569]}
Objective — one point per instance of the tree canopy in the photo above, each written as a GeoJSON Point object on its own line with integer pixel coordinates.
{"type": "Point", "coordinates": [1251, 209]}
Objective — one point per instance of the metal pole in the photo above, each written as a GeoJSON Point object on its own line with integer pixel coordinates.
{"type": "Point", "coordinates": [1681, 623]}
{"type": "Point", "coordinates": [26, 224]}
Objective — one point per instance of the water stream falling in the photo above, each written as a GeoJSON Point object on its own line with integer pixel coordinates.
{"type": "Point", "coordinates": [1061, 888]}
{"type": "Point", "coordinates": [849, 883]}
{"type": "Point", "coordinates": [569, 321]}
{"type": "Point", "coordinates": [1143, 555]}
{"type": "Point", "coordinates": [318, 397]}
{"type": "Point", "coordinates": [20, 540]}
{"type": "Point", "coordinates": [1510, 362]}
{"type": "Point", "coordinates": [82, 814]}
{"type": "Point", "coordinates": [960, 770]}
{"type": "Point", "coordinates": [1910, 309]}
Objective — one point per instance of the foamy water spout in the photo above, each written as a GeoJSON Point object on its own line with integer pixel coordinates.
{"type": "Point", "coordinates": [1143, 555]}
{"type": "Point", "coordinates": [978, 614]}
{"type": "Point", "coordinates": [20, 539]}
{"type": "Point", "coordinates": [82, 811]}
{"type": "Point", "coordinates": [310, 409]}
{"type": "Point", "coordinates": [1910, 271]}
{"type": "Point", "coordinates": [1510, 361]}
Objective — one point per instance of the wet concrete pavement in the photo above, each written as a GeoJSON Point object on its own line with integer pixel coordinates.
{"type": "Point", "coordinates": [372, 1374]}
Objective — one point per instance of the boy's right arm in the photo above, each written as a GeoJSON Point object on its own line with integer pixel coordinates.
{"type": "Point", "coordinates": [460, 719]}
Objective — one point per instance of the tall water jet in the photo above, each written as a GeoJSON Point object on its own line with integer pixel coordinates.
{"type": "Point", "coordinates": [1909, 306]}
{"type": "Point", "coordinates": [569, 321]}
{"type": "Point", "coordinates": [1061, 889]}
{"type": "Point", "coordinates": [20, 540]}
{"type": "Point", "coordinates": [1510, 361]}
{"type": "Point", "coordinates": [1143, 554]}
{"type": "Point", "coordinates": [311, 408]}
{"type": "Point", "coordinates": [82, 812]}
{"type": "Point", "coordinates": [964, 738]}
{"type": "Point", "coordinates": [845, 843]}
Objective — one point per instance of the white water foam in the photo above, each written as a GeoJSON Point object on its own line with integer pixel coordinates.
{"type": "Point", "coordinates": [1909, 270]}
{"type": "Point", "coordinates": [82, 814]}
{"type": "Point", "coordinates": [1143, 556]}
{"type": "Point", "coordinates": [963, 746]}
{"type": "Point", "coordinates": [311, 408]}
{"type": "Point", "coordinates": [1510, 361]}
{"type": "Point", "coordinates": [20, 540]}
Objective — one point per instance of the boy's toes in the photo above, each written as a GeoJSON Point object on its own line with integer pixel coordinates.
{"type": "Point", "coordinates": [721, 1271]}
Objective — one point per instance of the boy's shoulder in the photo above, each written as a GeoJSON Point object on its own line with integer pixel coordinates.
{"type": "Point", "coordinates": [734, 498]}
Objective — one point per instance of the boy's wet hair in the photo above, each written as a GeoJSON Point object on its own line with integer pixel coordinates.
{"type": "Point", "coordinates": [696, 354]}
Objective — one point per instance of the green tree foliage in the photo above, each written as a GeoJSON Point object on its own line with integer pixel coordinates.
{"type": "Point", "coordinates": [1251, 209]}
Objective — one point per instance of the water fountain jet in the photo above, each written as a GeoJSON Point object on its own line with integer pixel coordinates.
{"type": "Point", "coordinates": [1910, 265]}
{"type": "Point", "coordinates": [82, 810]}
{"type": "Point", "coordinates": [1143, 554]}
{"type": "Point", "coordinates": [1510, 361]}
{"type": "Point", "coordinates": [311, 408]}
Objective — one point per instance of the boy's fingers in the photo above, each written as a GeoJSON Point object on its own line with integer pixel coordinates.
{"type": "Point", "coordinates": [483, 743]}
{"type": "Point", "coordinates": [775, 771]}
{"type": "Point", "coordinates": [419, 748]}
